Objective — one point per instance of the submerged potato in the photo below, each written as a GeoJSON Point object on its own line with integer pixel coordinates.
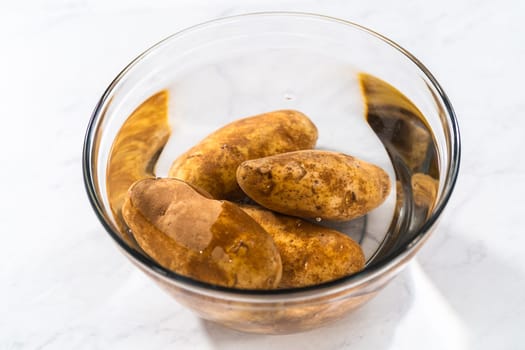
{"type": "Point", "coordinates": [310, 254]}
{"type": "Point", "coordinates": [205, 239]}
{"type": "Point", "coordinates": [212, 163]}
{"type": "Point", "coordinates": [314, 184]}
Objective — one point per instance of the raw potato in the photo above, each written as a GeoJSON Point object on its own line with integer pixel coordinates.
{"type": "Point", "coordinates": [212, 163]}
{"type": "Point", "coordinates": [310, 254]}
{"type": "Point", "coordinates": [315, 184]}
{"type": "Point", "coordinates": [202, 238]}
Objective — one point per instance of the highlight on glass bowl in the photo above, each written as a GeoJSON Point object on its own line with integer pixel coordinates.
{"type": "Point", "coordinates": [272, 171]}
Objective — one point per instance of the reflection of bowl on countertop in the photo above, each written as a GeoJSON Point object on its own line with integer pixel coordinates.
{"type": "Point", "coordinates": [244, 65]}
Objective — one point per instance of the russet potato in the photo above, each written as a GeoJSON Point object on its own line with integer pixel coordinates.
{"type": "Point", "coordinates": [310, 253]}
{"type": "Point", "coordinates": [196, 236]}
{"type": "Point", "coordinates": [211, 164]}
{"type": "Point", "coordinates": [314, 184]}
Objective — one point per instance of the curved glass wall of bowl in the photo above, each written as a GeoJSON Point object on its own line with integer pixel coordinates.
{"type": "Point", "coordinates": [226, 70]}
{"type": "Point", "coordinates": [368, 97]}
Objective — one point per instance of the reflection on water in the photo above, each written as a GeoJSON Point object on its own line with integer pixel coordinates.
{"type": "Point", "coordinates": [134, 153]}
{"type": "Point", "coordinates": [409, 141]}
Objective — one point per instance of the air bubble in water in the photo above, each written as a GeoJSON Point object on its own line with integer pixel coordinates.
{"type": "Point", "coordinates": [289, 96]}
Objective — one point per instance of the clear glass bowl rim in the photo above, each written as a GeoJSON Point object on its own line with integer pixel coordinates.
{"type": "Point", "coordinates": [344, 283]}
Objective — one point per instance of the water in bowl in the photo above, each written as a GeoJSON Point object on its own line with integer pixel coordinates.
{"type": "Point", "coordinates": [355, 113]}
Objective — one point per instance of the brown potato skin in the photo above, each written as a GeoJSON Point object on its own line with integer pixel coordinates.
{"type": "Point", "coordinates": [205, 239]}
{"type": "Point", "coordinates": [310, 253]}
{"type": "Point", "coordinates": [314, 184]}
{"type": "Point", "coordinates": [212, 163]}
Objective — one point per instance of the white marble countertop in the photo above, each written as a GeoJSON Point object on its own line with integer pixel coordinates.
{"type": "Point", "coordinates": [63, 283]}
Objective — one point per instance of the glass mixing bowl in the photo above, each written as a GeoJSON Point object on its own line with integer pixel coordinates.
{"type": "Point", "coordinates": [368, 97]}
